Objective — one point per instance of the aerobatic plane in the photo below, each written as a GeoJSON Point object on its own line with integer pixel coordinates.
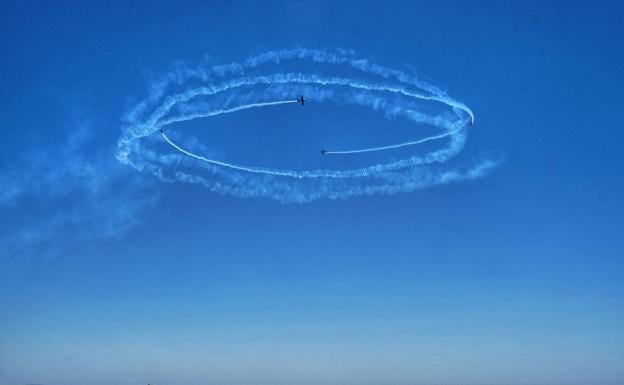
{"type": "Point", "coordinates": [300, 99]}
{"type": "Point", "coordinates": [323, 152]}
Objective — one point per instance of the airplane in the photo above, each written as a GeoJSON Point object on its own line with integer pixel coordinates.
{"type": "Point", "coordinates": [323, 152]}
{"type": "Point", "coordinates": [300, 100]}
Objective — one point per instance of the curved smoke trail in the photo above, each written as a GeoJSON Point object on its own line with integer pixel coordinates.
{"type": "Point", "coordinates": [264, 80]}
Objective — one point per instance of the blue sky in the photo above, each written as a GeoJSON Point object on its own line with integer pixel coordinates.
{"type": "Point", "coordinates": [108, 275]}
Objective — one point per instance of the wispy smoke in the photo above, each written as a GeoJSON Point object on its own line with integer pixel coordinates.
{"type": "Point", "coordinates": [55, 197]}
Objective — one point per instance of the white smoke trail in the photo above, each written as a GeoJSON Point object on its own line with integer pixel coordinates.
{"type": "Point", "coordinates": [222, 89]}
{"type": "Point", "coordinates": [233, 166]}
{"type": "Point", "coordinates": [184, 118]}
{"type": "Point", "coordinates": [389, 147]}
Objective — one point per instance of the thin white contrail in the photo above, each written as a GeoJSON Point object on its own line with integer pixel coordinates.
{"type": "Point", "coordinates": [224, 164]}
{"type": "Point", "coordinates": [389, 147]}
{"type": "Point", "coordinates": [184, 118]}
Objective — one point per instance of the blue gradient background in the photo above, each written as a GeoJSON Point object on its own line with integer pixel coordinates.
{"type": "Point", "coordinates": [514, 278]}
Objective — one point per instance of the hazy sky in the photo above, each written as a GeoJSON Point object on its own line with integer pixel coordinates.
{"type": "Point", "coordinates": [110, 276]}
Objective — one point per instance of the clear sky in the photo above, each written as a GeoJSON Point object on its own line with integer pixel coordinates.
{"type": "Point", "coordinates": [110, 276]}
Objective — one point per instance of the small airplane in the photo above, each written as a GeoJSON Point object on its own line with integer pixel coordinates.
{"type": "Point", "coordinates": [323, 152]}
{"type": "Point", "coordinates": [300, 100]}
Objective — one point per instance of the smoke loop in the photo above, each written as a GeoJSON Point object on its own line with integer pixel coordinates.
{"type": "Point", "coordinates": [262, 81]}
